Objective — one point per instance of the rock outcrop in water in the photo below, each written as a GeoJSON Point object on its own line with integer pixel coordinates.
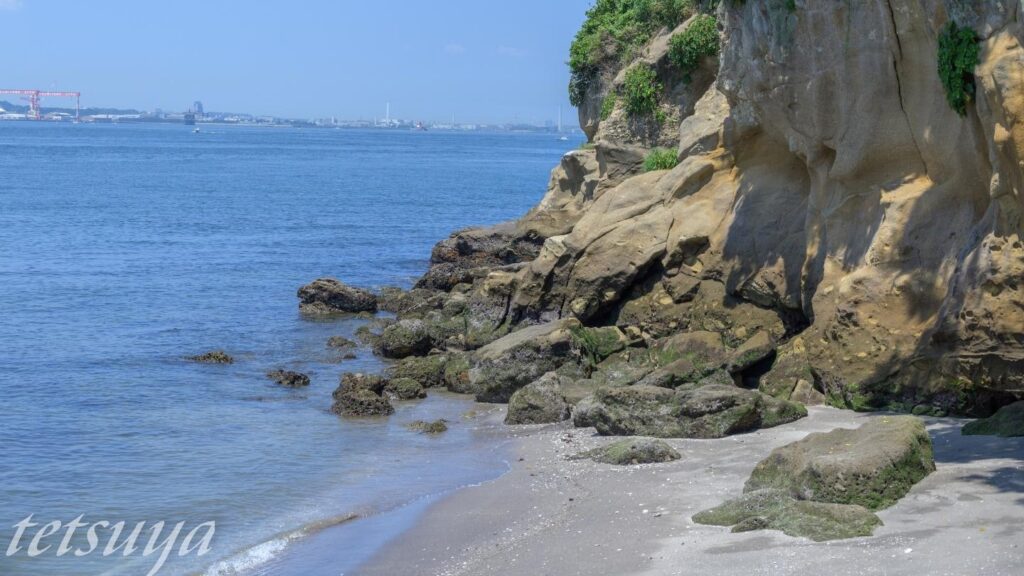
{"type": "Point", "coordinates": [213, 357]}
{"type": "Point", "coordinates": [329, 296]}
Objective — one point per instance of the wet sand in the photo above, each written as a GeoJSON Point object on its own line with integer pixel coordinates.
{"type": "Point", "coordinates": [550, 515]}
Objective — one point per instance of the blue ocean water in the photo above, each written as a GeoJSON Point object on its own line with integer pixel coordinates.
{"type": "Point", "coordinates": [125, 247]}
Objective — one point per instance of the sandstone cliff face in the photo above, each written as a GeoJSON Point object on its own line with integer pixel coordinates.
{"type": "Point", "coordinates": [827, 195]}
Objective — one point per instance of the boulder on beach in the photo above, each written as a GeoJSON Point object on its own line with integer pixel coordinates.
{"type": "Point", "coordinates": [213, 357]}
{"type": "Point", "coordinates": [1006, 423]}
{"type": "Point", "coordinates": [289, 379]}
{"type": "Point", "coordinates": [540, 402]}
{"type": "Point", "coordinates": [632, 451]}
{"type": "Point", "coordinates": [873, 466]}
{"type": "Point", "coordinates": [329, 296]}
{"type": "Point", "coordinates": [361, 395]}
{"type": "Point", "coordinates": [709, 411]}
{"type": "Point", "coordinates": [827, 485]}
{"type": "Point", "coordinates": [775, 510]}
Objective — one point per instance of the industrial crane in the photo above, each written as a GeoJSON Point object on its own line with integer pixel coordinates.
{"type": "Point", "coordinates": [33, 97]}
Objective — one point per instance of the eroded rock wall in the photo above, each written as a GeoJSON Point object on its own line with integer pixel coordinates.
{"type": "Point", "coordinates": [827, 195]}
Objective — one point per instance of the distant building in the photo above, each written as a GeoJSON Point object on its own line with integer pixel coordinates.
{"type": "Point", "coordinates": [197, 107]}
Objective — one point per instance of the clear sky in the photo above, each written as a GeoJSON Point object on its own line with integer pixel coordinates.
{"type": "Point", "coordinates": [484, 60]}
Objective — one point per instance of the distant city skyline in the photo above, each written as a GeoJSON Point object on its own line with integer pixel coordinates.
{"type": "Point", "coordinates": [483, 62]}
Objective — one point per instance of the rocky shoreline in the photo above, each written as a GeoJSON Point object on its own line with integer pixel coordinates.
{"type": "Point", "coordinates": [778, 263]}
{"type": "Point", "coordinates": [816, 241]}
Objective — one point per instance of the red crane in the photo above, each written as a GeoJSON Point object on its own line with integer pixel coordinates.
{"type": "Point", "coordinates": [33, 97]}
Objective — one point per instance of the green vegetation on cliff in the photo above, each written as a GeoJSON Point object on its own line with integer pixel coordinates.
{"type": "Point", "coordinates": [958, 56]}
{"type": "Point", "coordinates": [660, 159]}
{"type": "Point", "coordinates": [641, 90]}
{"type": "Point", "coordinates": [614, 31]}
{"type": "Point", "coordinates": [687, 48]}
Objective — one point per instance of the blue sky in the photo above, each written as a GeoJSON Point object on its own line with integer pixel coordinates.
{"type": "Point", "coordinates": [483, 60]}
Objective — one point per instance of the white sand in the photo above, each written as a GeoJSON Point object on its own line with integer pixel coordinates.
{"type": "Point", "coordinates": [552, 516]}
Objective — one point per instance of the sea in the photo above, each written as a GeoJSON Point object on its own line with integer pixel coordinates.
{"type": "Point", "coordinates": [126, 247]}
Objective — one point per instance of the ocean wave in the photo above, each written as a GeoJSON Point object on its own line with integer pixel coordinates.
{"type": "Point", "coordinates": [251, 558]}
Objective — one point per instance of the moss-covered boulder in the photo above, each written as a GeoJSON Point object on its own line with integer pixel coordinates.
{"type": "Point", "coordinates": [633, 451]}
{"type": "Point", "coordinates": [826, 486]}
{"type": "Point", "coordinates": [289, 379]}
{"type": "Point", "coordinates": [456, 373]}
{"type": "Point", "coordinates": [704, 350]}
{"type": "Point", "coordinates": [711, 411]}
{"type": "Point", "coordinates": [1007, 422]}
{"type": "Point", "coordinates": [404, 389]}
{"type": "Point", "coordinates": [873, 466]}
{"type": "Point", "coordinates": [511, 362]}
{"type": "Point", "coordinates": [361, 395]}
{"type": "Point", "coordinates": [427, 370]}
{"type": "Point", "coordinates": [540, 402]}
{"type": "Point", "coordinates": [776, 510]}
{"type": "Point", "coordinates": [596, 344]}
{"type": "Point", "coordinates": [404, 338]}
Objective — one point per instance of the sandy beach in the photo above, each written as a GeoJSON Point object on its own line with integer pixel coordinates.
{"type": "Point", "coordinates": [552, 515]}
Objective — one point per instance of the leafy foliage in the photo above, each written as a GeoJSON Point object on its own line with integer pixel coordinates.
{"type": "Point", "coordinates": [958, 56]}
{"type": "Point", "coordinates": [687, 48]}
{"type": "Point", "coordinates": [661, 159]}
{"type": "Point", "coordinates": [641, 90]}
{"type": "Point", "coordinates": [608, 106]}
{"type": "Point", "coordinates": [616, 29]}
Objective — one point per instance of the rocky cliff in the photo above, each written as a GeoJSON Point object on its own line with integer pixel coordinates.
{"type": "Point", "coordinates": [834, 199]}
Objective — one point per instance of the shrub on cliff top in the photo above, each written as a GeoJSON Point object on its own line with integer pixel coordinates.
{"type": "Point", "coordinates": [700, 39]}
{"type": "Point", "coordinates": [958, 56]}
{"type": "Point", "coordinates": [641, 90]}
{"type": "Point", "coordinates": [660, 159]}
{"type": "Point", "coordinates": [616, 29]}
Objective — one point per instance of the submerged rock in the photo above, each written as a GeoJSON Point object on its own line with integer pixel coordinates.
{"type": "Point", "coordinates": [710, 411]}
{"type": "Point", "coordinates": [435, 427]}
{"type": "Point", "coordinates": [361, 395]}
{"type": "Point", "coordinates": [329, 296]}
{"type": "Point", "coordinates": [540, 402]}
{"type": "Point", "coordinates": [826, 486]}
{"type": "Point", "coordinates": [1007, 422]}
{"type": "Point", "coordinates": [213, 357]}
{"type": "Point", "coordinates": [288, 378]}
{"type": "Point", "coordinates": [340, 342]}
{"type": "Point", "coordinates": [633, 451]}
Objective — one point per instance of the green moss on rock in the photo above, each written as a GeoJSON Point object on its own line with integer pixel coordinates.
{"type": "Point", "coordinates": [632, 451]}
{"type": "Point", "coordinates": [873, 466]}
{"type": "Point", "coordinates": [1007, 422]}
{"type": "Point", "coordinates": [777, 510]}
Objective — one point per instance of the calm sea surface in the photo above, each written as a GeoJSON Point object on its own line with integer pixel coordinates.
{"type": "Point", "coordinates": [123, 248]}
